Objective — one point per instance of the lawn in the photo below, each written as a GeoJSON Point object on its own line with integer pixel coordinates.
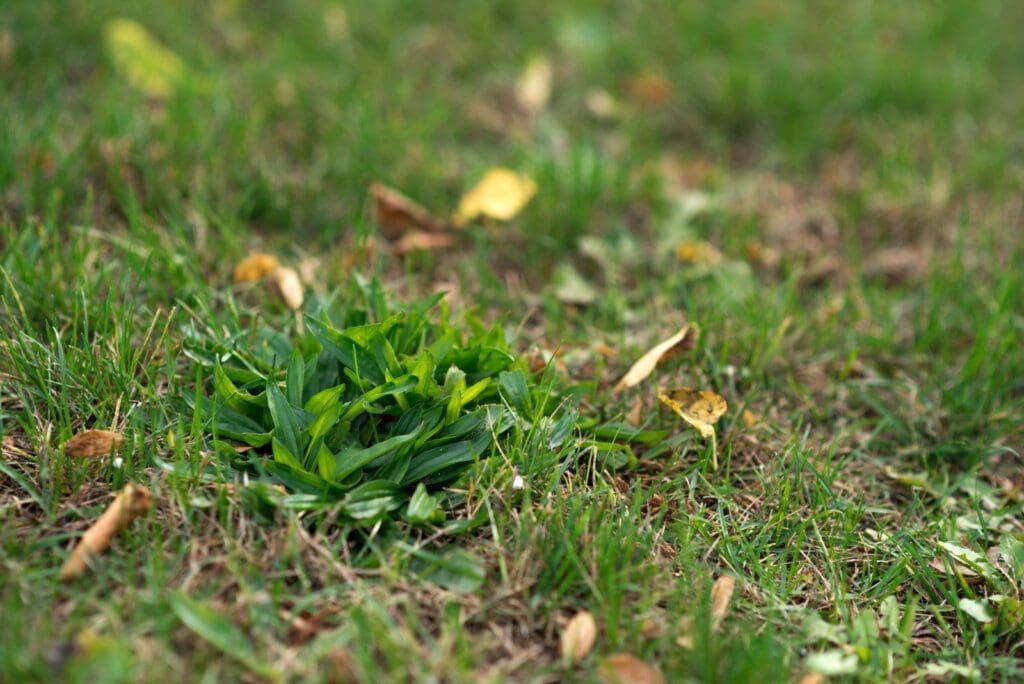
{"type": "Point", "coordinates": [412, 459]}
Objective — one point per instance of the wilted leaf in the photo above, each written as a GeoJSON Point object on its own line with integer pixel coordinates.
{"type": "Point", "coordinates": [256, 267]}
{"type": "Point", "coordinates": [533, 89]}
{"type": "Point", "coordinates": [721, 592]}
{"type": "Point", "coordinates": [142, 60]}
{"type": "Point", "coordinates": [396, 214]}
{"type": "Point", "coordinates": [423, 241]}
{"type": "Point", "coordinates": [221, 633]}
{"type": "Point", "coordinates": [683, 340]}
{"type": "Point", "coordinates": [946, 671]}
{"type": "Point", "coordinates": [571, 287]}
{"type": "Point", "coordinates": [623, 668]}
{"type": "Point", "coordinates": [979, 610]}
{"type": "Point", "coordinates": [133, 501]}
{"type": "Point", "coordinates": [832, 663]}
{"type": "Point", "coordinates": [578, 637]}
{"type": "Point", "coordinates": [289, 286]}
{"type": "Point", "coordinates": [913, 480]}
{"type": "Point", "coordinates": [699, 253]}
{"type": "Point", "coordinates": [92, 443]}
{"type": "Point", "coordinates": [500, 194]}
{"type": "Point", "coordinates": [699, 408]}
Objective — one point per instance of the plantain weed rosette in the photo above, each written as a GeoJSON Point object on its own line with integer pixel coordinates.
{"type": "Point", "coordinates": [371, 418]}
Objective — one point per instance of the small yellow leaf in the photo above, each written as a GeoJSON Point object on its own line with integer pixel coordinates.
{"type": "Point", "coordinates": [92, 443]}
{"type": "Point", "coordinates": [698, 253]}
{"type": "Point", "coordinates": [721, 592]}
{"type": "Point", "coordinates": [699, 408]}
{"type": "Point", "coordinates": [256, 267]}
{"type": "Point", "coordinates": [500, 194]}
{"type": "Point", "coordinates": [578, 637]}
{"type": "Point", "coordinates": [749, 419]}
{"type": "Point", "coordinates": [289, 285]}
{"type": "Point", "coordinates": [142, 60]}
{"type": "Point", "coordinates": [623, 668]}
{"type": "Point", "coordinates": [683, 340]}
{"type": "Point", "coordinates": [533, 89]}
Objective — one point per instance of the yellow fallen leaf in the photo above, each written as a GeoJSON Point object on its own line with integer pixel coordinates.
{"type": "Point", "coordinates": [533, 89]}
{"type": "Point", "coordinates": [256, 267]}
{"type": "Point", "coordinates": [92, 443]}
{"type": "Point", "coordinates": [289, 286]}
{"type": "Point", "coordinates": [500, 194]}
{"type": "Point", "coordinates": [721, 592]}
{"type": "Point", "coordinates": [698, 253]}
{"type": "Point", "coordinates": [578, 637]}
{"type": "Point", "coordinates": [623, 668]}
{"type": "Point", "coordinates": [396, 214]}
{"type": "Point", "coordinates": [142, 60]}
{"type": "Point", "coordinates": [133, 501]}
{"type": "Point", "coordinates": [749, 419]}
{"type": "Point", "coordinates": [699, 408]}
{"type": "Point", "coordinates": [683, 340]}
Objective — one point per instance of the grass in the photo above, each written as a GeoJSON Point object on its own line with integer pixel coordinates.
{"type": "Point", "coordinates": [857, 166]}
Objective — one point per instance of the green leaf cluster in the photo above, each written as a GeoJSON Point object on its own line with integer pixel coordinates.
{"type": "Point", "coordinates": [370, 416]}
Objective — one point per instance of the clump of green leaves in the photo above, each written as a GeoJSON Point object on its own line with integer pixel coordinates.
{"type": "Point", "coordinates": [372, 416]}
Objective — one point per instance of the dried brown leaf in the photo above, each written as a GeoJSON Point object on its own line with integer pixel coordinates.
{"type": "Point", "coordinates": [623, 668]}
{"type": "Point", "coordinates": [92, 443]}
{"type": "Point", "coordinates": [133, 501]}
{"type": "Point", "coordinates": [397, 214]}
{"type": "Point", "coordinates": [683, 340]}
{"type": "Point", "coordinates": [425, 241]}
{"type": "Point", "coordinates": [721, 592]}
{"type": "Point", "coordinates": [289, 286]}
{"type": "Point", "coordinates": [578, 637]}
{"type": "Point", "coordinates": [256, 267]}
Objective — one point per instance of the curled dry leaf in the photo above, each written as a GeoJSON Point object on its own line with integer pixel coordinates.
{"type": "Point", "coordinates": [578, 637]}
{"type": "Point", "coordinates": [684, 340]}
{"type": "Point", "coordinates": [397, 214]}
{"type": "Point", "coordinates": [500, 194]}
{"type": "Point", "coordinates": [289, 285]}
{"type": "Point", "coordinates": [256, 267]}
{"type": "Point", "coordinates": [623, 668]}
{"type": "Point", "coordinates": [533, 89]}
{"type": "Point", "coordinates": [423, 241]}
{"type": "Point", "coordinates": [133, 501]}
{"type": "Point", "coordinates": [93, 443]}
{"type": "Point", "coordinates": [721, 592]}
